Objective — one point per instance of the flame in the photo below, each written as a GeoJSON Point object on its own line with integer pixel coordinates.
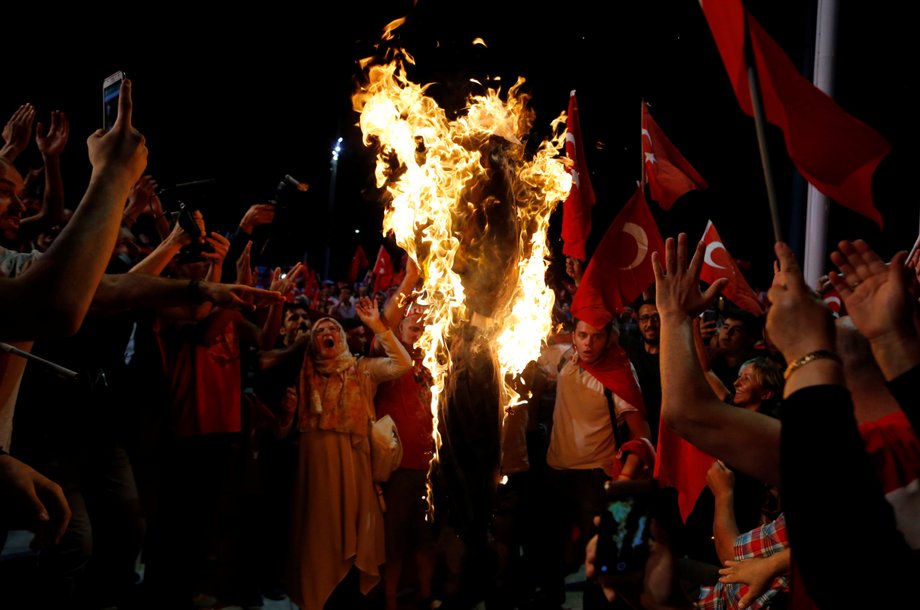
{"type": "Point", "coordinates": [472, 209]}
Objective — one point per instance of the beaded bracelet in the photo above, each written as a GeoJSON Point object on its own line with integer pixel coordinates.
{"type": "Point", "coordinates": [818, 354]}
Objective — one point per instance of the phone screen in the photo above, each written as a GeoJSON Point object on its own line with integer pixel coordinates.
{"type": "Point", "coordinates": [111, 89]}
{"type": "Point", "coordinates": [622, 544]}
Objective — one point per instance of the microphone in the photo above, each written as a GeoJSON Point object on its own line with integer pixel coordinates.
{"type": "Point", "coordinates": [289, 180]}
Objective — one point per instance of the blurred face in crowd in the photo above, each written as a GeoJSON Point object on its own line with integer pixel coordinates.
{"type": "Point", "coordinates": [11, 207]}
{"type": "Point", "coordinates": [296, 323]}
{"type": "Point", "coordinates": [735, 337]}
{"type": "Point", "coordinates": [590, 342]}
{"type": "Point", "coordinates": [649, 323]}
{"type": "Point", "coordinates": [327, 339]}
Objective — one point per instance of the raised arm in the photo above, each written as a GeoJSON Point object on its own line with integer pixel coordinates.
{"type": "Point", "coordinates": [394, 310]}
{"type": "Point", "coordinates": [17, 131]}
{"type": "Point", "coordinates": [688, 404]}
{"type": "Point", "coordinates": [878, 301]}
{"type": "Point", "coordinates": [397, 360]}
{"type": "Point", "coordinates": [50, 145]}
{"type": "Point", "coordinates": [53, 296]}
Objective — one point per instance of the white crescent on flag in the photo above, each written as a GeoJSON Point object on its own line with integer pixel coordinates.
{"type": "Point", "coordinates": [641, 237]}
{"type": "Point", "coordinates": [710, 248]}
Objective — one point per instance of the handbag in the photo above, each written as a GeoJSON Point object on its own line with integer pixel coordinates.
{"type": "Point", "coordinates": [386, 449]}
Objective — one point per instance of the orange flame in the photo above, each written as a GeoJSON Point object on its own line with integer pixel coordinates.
{"type": "Point", "coordinates": [481, 249]}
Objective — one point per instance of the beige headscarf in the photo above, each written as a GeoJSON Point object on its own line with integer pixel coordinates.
{"type": "Point", "coordinates": [336, 395]}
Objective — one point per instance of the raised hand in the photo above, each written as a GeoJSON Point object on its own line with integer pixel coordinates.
{"type": "Point", "coordinates": [257, 215]}
{"type": "Point", "coordinates": [720, 479]}
{"type": "Point", "coordinates": [244, 273]}
{"type": "Point", "coordinates": [52, 144]}
{"type": "Point", "coordinates": [140, 198]}
{"type": "Point", "coordinates": [369, 313]}
{"type": "Point", "coordinates": [17, 131]}
{"type": "Point", "coordinates": [876, 295]}
{"type": "Point", "coordinates": [120, 153]}
{"type": "Point", "coordinates": [798, 322]}
{"type": "Point", "coordinates": [220, 246]}
{"type": "Point", "coordinates": [677, 284]}
{"type": "Point", "coordinates": [285, 284]}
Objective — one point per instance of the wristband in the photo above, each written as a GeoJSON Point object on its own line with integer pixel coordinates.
{"type": "Point", "coordinates": [818, 354]}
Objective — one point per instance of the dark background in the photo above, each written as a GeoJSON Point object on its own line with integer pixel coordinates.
{"type": "Point", "coordinates": [243, 97]}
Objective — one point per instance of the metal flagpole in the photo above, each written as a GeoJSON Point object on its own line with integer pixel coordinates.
{"type": "Point", "coordinates": [759, 121]}
{"type": "Point", "coordinates": [816, 217]}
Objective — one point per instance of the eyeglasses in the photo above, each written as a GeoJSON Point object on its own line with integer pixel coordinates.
{"type": "Point", "coordinates": [652, 318]}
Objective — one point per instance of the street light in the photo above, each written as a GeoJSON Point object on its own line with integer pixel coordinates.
{"type": "Point", "coordinates": [334, 170]}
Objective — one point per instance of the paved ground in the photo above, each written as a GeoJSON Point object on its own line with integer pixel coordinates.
{"type": "Point", "coordinates": [17, 549]}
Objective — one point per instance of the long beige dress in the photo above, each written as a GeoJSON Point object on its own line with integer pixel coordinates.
{"type": "Point", "coordinates": [337, 520]}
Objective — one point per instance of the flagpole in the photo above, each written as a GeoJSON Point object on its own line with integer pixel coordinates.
{"type": "Point", "coordinates": [823, 79]}
{"type": "Point", "coordinates": [759, 121]}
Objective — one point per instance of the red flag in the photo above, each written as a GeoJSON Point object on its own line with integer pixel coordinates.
{"type": "Point", "coordinates": [358, 264]}
{"type": "Point", "coordinates": [668, 173]}
{"type": "Point", "coordinates": [682, 466]}
{"type": "Point", "coordinates": [576, 210]}
{"type": "Point", "coordinates": [383, 270]}
{"type": "Point", "coordinates": [310, 282]}
{"type": "Point", "coordinates": [717, 263]}
{"type": "Point", "coordinates": [834, 151]}
{"type": "Point", "coordinates": [621, 267]}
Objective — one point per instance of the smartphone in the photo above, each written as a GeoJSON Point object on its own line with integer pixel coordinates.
{"type": "Point", "coordinates": [710, 315]}
{"type": "Point", "coordinates": [623, 534]}
{"type": "Point", "coordinates": [111, 90]}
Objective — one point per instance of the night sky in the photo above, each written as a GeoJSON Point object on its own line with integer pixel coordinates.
{"type": "Point", "coordinates": [243, 98]}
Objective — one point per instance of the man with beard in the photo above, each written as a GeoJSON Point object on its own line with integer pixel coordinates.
{"type": "Point", "coordinates": [643, 354]}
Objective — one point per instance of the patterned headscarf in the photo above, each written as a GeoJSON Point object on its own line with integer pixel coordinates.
{"type": "Point", "coordinates": [331, 393]}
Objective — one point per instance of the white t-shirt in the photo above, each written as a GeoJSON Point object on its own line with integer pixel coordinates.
{"type": "Point", "coordinates": [582, 436]}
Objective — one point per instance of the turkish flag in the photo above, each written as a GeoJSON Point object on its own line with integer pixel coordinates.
{"type": "Point", "coordinates": [668, 173]}
{"type": "Point", "coordinates": [717, 263]}
{"type": "Point", "coordinates": [681, 465]}
{"type": "Point", "coordinates": [834, 151]}
{"type": "Point", "coordinates": [358, 264]}
{"type": "Point", "coordinates": [383, 270]}
{"type": "Point", "coordinates": [576, 209]}
{"type": "Point", "coordinates": [621, 267]}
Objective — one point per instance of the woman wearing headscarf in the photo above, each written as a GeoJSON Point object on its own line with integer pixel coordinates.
{"type": "Point", "coordinates": [337, 534]}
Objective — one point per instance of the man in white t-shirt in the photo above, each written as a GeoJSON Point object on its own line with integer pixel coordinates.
{"type": "Point", "coordinates": [583, 445]}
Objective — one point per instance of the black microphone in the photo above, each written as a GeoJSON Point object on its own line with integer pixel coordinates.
{"type": "Point", "coordinates": [303, 187]}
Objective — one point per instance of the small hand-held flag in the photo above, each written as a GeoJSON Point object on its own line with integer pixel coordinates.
{"type": "Point", "coordinates": [718, 263]}
{"type": "Point", "coordinates": [576, 209]}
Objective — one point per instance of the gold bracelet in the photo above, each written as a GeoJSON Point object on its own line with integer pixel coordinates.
{"type": "Point", "coordinates": [818, 354]}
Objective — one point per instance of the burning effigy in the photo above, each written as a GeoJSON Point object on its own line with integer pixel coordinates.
{"type": "Point", "coordinates": [469, 200]}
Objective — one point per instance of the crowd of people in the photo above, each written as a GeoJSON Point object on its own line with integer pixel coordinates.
{"type": "Point", "coordinates": [210, 441]}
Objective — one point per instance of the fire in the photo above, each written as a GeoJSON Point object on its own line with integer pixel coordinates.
{"type": "Point", "coordinates": [471, 207]}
